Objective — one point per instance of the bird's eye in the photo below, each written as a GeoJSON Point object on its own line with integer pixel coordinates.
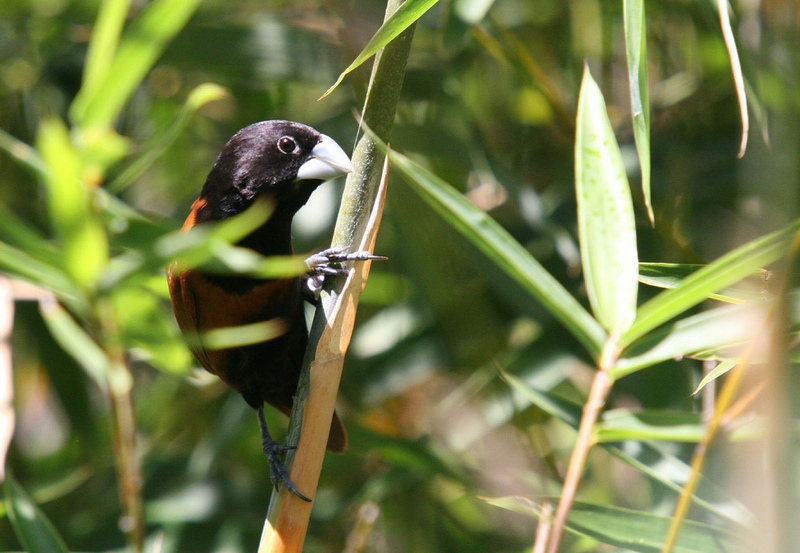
{"type": "Point", "coordinates": [287, 145]}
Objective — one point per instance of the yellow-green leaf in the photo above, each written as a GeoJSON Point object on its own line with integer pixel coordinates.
{"type": "Point", "coordinates": [606, 225]}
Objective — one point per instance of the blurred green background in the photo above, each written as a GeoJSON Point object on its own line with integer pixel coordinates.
{"type": "Point", "coordinates": [488, 104]}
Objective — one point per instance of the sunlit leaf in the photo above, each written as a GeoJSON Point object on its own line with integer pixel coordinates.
{"type": "Point", "coordinates": [502, 250]}
{"type": "Point", "coordinates": [606, 225]}
{"type": "Point", "coordinates": [715, 373]}
{"type": "Point", "coordinates": [708, 330]}
{"type": "Point", "coordinates": [670, 275]}
{"type": "Point", "coordinates": [632, 530]}
{"type": "Point", "coordinates": [636, 49]}
{"type": "Point", "coordinates": [622, 424]}
{"type": "Point", "coordinates": [141, 45]}
{"type": "Point", "coordinates": [103, 45]}
{"type": "Point", "coordinates": [69, 203]}
{"type": "Point", "coordinates": [725, 271]}
{"type": "Point", "coordinates": [650, 459]}
{"type": "Point", "coordinates": [34, 530]}
{"type": "Point", "coordinates": [405, 16]}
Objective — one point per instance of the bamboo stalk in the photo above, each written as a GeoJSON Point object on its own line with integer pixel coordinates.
{"type": "Point", "coordinates": [356, 228]}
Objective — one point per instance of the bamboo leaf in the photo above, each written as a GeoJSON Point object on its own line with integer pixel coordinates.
{"type": "Point", "coordinates": [622, 424]}
{"type": "Point", "coordinates": [103, 45]}
{"type": "Point", "coordinates": [606, 225]}
{"type": "Point", "coordinates": [728, 269]}
{"type": "Point", "coordinates": [636, 49]}
{"type": "Point", "coordinates": [405, 16]}
{"type": "Point", "coordinates": [142, 44]}
{"type": "Point", "coordinates": [75, 341]}
{"type": "Point", "coordinates": [670, 275]}
{"type": "Point", "coordinates": [501, 249]}
{"type": "Point", "coordinates": [650, 459]}
{"type": "Point", "coordinates": [709, 330]}
{"type": "Point", "coordinates": [632, 530]}
{"type": "Point", "coordinates": [715, 373]}
{"type": "Point", "coordinates": [34, 530]}
{"type": "Point", "coordinates": [69, 203]}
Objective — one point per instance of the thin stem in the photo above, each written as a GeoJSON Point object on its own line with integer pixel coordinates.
{"type": "Point", "coordinates": [594, 405]}
{"type": "Point", "coordinates": [124, 429]}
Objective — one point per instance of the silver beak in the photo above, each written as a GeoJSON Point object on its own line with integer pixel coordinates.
{"type": "Point", "coordinates": [327, 161]}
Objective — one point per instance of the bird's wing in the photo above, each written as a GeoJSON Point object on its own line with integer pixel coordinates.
{"type": "Point", "coordinates": [185, 308]}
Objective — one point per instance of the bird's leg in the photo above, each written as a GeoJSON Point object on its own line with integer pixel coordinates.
{"type": "Point", "coordinates": [320, 265]}
{"type": "Point", "coordinates": [277, 472]}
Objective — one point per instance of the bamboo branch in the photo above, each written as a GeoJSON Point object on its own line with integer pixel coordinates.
{"type": "Point", "coordinates": [356, 228]}
{"type": "Point", "coordinates": [601, 385]}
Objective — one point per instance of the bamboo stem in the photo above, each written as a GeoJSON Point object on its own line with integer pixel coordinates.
{"type": "Point", "coordinates": [356, 227]}
{"type": "Point", "coordinates": [595, 403]}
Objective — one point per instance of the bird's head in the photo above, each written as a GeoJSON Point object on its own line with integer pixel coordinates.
{"type": "Point", "coordinates": [283, 161]}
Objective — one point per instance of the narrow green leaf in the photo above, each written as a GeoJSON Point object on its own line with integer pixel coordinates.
{"type": "Point", "coordinates": [22, 265]}
{"type": "Point", "coordinates": [103, 44]}
{"type": "Point", "coordinates": [650, 459]}
{"type": "Point", "coordinates": [714, 374]}
{"type": "Point", "coordinates": [24, 154]}
{"type": "Point", "coordinates": [405, 16]}
{"type": "Point", "coordinates": [606, 225]}
{"type": "Point", "coordinates": [622, 424]}
{"type": "Point", "coordinates": [670, 275]}
{"type": "Point", "coordinates": [199, 97]}
{"type": "Point", "coordinates": [243, 335]}
{"type": "Point", "coordinates": [636, 49]}
{"type": "Point", "coordinates": [728, 269]}
{"type": "Point", "coordinates": [712, 329]}
{"type": "Point", "coordinates": [502, 250]}
{"type": "Point", "coordinates": [632, 530]}
{"type": "Point", "coordinates": [69, 203]}
{"type": "Point", "coordinates": [141, 46]}
{"type": "Point", "coordinates": [75, 341]}
{"type": "Point", "coordinates": [34, 530]}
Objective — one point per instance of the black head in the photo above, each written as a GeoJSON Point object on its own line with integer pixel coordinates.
{"type": "Point", "coordinates": [282, 160]}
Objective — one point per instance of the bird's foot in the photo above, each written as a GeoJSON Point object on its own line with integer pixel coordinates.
{"type": "Point", "coordinates": [320, 265]}
{"type": "Point", "coordinates": [277, 472]}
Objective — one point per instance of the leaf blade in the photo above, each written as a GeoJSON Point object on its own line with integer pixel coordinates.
{"type": "Point", "coordinates": [606, 225]}
{"type": "Point", "coordinates": [405, 16]}
{"type": "Point", "coordinates": [636, 50]}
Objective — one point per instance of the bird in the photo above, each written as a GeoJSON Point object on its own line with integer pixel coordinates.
{"type": "Point", "coordinates": [282, 162]}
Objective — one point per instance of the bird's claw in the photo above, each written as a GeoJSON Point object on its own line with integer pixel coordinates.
{"type": "Point", "coordinates": [277, 472]}
{"type": "Point", "coordinates": [319, 265]}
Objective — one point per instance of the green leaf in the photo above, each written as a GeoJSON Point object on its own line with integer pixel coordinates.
{"type": "Point", "coordinates": [24, 154]}
{"type": "Point", "coordinates": [34, 530]}
{"type": "Point", "coordinates": [405, 16]}
{"type": "Point", "coordinates": [103, 44]}
{"type": "Point", "coordinates": [24, 266]}
{"type": "Point", "coordinates": [670, 275]}
{"type": "Point", "coordinates": [632, 530]}
{"type": "Point", "coordinates": [199, 97]}
{"type": "Point", "coordinates": [622, 424]}
{"type": "Point", "coordinates": [650, 459]}
{"type": "Point", "coordinates": [715, 373]}
{"type": "Point", "coordinates": [75, 341]}
{"type": "Point", "coordinates": [142, 44]}
{"type": "Point", "coordinates": [728, 269]}
{"type": "Point", "coordinates": [501, 249]}
{"type": "Point", "coordinates": [636, 49]}
{"type": "Point", "coordinates": [712, 329]}
{"type": "Point", "coordinates": [606, 225]}
{"type": "Point", "coordinates": [69, 203]}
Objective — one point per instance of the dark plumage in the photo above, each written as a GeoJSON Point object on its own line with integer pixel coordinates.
{"type": "Point", "coordinates": [283, 162]}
